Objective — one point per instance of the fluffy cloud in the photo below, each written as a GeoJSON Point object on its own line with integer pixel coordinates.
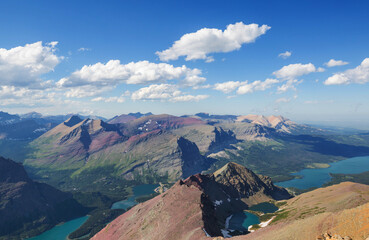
{"type": "Point", "coordinates": [19, 96]}
{"type": "Point", "coordinates": [156, 92]}
{"type": "Point", "coordinates": [360, 75]}
{"type": "Point", "coordinates": [290, 84]}
{"type": "Point", "coordinates": [229, 86]}
{"type": "Point", "coordinates": [164, 92]}
{"type": "Point", "coordinates": [296, 70]}
{"type": "Point", "coordinates": [120, 99]}
{"type": "Point", "coordinates": [22, 66]}
{"type": "Point", "coordinates": [334, 63]}
{"type": "Point", "coordinates": [199, 44]}
{"type": "Point", "coordinates": [245, 87]}
{"type": "Point", "coordinates": [189, 98]}
{"type": "Point", "coordinates": [256, 86]}
{"type": "Point", "coordinates": [101, 76]}
{"type": "Point", "coordinates": [285, 55]}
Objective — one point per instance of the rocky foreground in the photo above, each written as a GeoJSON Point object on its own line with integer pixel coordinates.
{"type": "Point", "coordinates": [195, 208]}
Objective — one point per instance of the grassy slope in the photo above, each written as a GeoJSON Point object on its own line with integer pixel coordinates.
{"type": "Point", "coordinates": [340, 209]}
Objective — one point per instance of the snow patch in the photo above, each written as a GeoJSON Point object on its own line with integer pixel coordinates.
{"type": "Point", "coordinates": [218, 202]}
{"type": "Point", "coordinates": [206, 233]}
{"type": "Point", "coordinates": [225, 233]}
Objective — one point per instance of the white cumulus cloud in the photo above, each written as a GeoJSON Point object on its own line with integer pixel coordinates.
{"type": "Point", "coordinates": [334, 63]}
{"type": "Point", "coordinates": [285, 54]}
{"type": "Point", "coordinates": [120, 99]}
{"type": "Point", "coordinates": [229, 86]}
{"type": "Point", "coordinates": [256, 86]}
{"type": "Point", "coordinates": [360, 75]}
{"type": "Point", "coordinates": [92, 80]}
{"type": "Point", "coordinates": [168, 92]}
{"type": "Point", "coordinates": [296, 70]}
{"type": "Point", "coordinates": [198, 45]}
{"type": "Point", "coordinates": [189, 98]}
{"type": "Point", "coordinates": [23, 66]}
{"type": "Point", "coordinates": [142, 72]}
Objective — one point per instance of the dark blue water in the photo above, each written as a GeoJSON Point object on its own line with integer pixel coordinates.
{"type": "Point", "coordinates": [317, 177]}
{"type": "Point", "coordinates": [264, 207]}
{"type": "Point", "coordinates": [140, 190]}
{"type": "Point", "coordinates": [242, 220]}
{"type": "Point", "coordinates": [61, 232]}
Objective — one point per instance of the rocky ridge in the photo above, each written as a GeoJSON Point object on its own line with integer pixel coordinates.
{"type": "Point", "coordinates": [193, 208]}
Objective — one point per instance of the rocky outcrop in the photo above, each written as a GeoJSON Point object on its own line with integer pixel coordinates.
{"type": "Point", "coordinates": [223, 139]}
{"type": "Point", "coordinates": [194, 208]}
{"type": "Point", "coordinates": [238, 181]}
{"type": "Point", "coordinates": [257, 131]}
{"type": "Point", "coordinates": [27, 206]}
{"type": "Point", "coordinates": [328, 236]}
{"type": "Point", "coordinates": [192, 161]}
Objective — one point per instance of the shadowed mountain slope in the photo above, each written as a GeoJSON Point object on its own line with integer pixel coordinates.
{"type": "Point", "coordinates": [28, 207]}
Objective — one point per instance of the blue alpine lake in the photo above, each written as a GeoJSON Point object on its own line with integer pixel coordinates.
{"type": "Point", "coordinates": [242, 220]}
{"type": "Point", "coordinates": [317, 177]}
{"type": "Point", "coordinates": [138, 191]}
{"type": "Point", "coordinates": [61, 231]}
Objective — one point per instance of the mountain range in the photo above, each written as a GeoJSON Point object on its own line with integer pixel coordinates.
{"type": "Point", "coordinates": [152, 148]}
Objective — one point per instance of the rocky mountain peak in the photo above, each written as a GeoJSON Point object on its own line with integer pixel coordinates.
{"type": "Point", "coordinates": [11, 171]}
{"type": "Point", "coordinates": [73, 120]}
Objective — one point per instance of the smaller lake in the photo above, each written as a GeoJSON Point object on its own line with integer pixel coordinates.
{"type": "Point", "coordinates": [317, 177]}
{"type": "Point", "coordinates": [264, 207]}
{"type": "Point", "coordinates": [61, 232]}
{"type": "Point", "coordinates": [242, 220]}
{"type": "Point", "coordinates": [138, 191]}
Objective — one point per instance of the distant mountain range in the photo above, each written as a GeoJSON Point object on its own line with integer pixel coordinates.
{"type": "Point", "coordinates": [31, 125]}
{"type": "Point", "coordinates": [147, 147]}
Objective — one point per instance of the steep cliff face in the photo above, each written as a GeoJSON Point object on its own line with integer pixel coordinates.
{"type": "Point", "coordinates": [223, 139]}
{"type": "Point", "coordinates": [193, 208]}
{"type": "Point", "coordinates": [192, 161]}
{"type": "Point", "coordinates": [241, 182]}
{"type": "Point", "coordinates": [30, 206]}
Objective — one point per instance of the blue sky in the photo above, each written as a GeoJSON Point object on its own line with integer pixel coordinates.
{"type": "Point", "coordinates": [109, 58]}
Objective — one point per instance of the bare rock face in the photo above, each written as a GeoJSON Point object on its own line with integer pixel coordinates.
{"type": "Point", "coordinates": [194, 208]}
{"type": "Point", "coordinates": [26, 205]}
{"type": "Point", "coordinates": [223, 139]}
{"type": "Point", "coordinates": [241, 182]}
{"type": "Point", "coordinates": [191, 159]}
{"type": "Point", "coordinates": [328, 236]}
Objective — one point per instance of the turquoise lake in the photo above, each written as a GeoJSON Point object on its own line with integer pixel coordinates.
{"type": "Point", "coordinates": [317, 177]}
{"type": "Point", "coordinates": [61, 232]}
{"type": "Point", "coordinates": [140, 190]}
{"type": "Point", "coordinates": [242, 220]}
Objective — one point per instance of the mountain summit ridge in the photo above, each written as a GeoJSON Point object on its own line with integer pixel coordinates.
{"type": "Point", "coordinates": [192, 208]}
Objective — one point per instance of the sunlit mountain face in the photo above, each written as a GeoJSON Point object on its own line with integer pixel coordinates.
{"type": "Point", "coordinates": [184, 120]}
